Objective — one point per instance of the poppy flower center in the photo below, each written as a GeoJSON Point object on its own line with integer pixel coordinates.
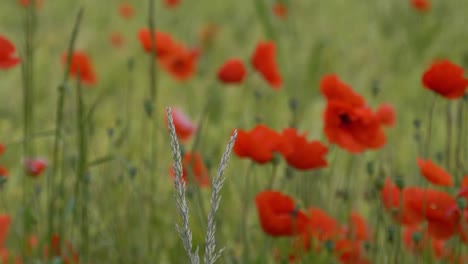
{"type": "Point", "coordinates": [178, 63]}
{"type": "Point", "coordinates": [345, 118]}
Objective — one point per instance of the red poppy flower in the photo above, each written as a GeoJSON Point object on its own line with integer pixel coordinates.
{"type": "Point", "coordinates": [232, 71]}
{"type": "Point", "coordinates": [417, 240]}
{"type": "Point", "coordinates": [68, 254]}
{"type": "Point", "coordinates": [193, 164]}
{"type": "Point", "coordinates": [259, 144]}
{"type": "Point", "coordinates": [35, 167]}
{"type": "Point", "coordinates": [26, 3]}
{"type": "Point", "coordinates": [171, 3]}
{"type": "Point", "coordinates": [5, 222]}
{"type": "Point", "coordinates": [165, 44]}
{"type": "Point", "coordinates": [355, 129]}
{"type": "Point", "coordinates": [280, 10]}
{"type": "Point", "coordinates": [464, 182]}
{"type": "Point", "coordinates": [184, 127]}
{"type": "Point", "coordinates": [264, 61]}
{"type": "Point", "coordinates": [3, 171]}
{"type": "Point", "coordinates": [358, 229]}
{"type": "Point", "coordinates": [335, 90]}
{"type": "Point", "coordinates": [390, 195]}
{"type": "Point", "coordinates": [386, 115]}
{"type": "Point", "coordinates": [116, 39]}
{"type": "Point", "coordinates": [278, 215]}
{"type": "Point", "coordinates": [391, 198]}
{"type": "Point", "coordinates": [126, 10]}
{"type": "Point", "coordinates": [180, 64]}
{"type": "Point", "coordinates": [421, 5]}
{"type": "Point", "coordinates": [322, 226]}
{"type": "Point", "coordinates": [7, 51]}
{"type": "Point", "coordinates": [445, 78]}
{"type": "Point", "coordinates": [350, 252]}
{"type": "Point", "coordinates": [437, 207]}
{"type": "Point", "coordinates": [302, 154]}
{"type": "Point", "coordinates": [81, 65]}
{"type": "Point", "coordinates": [434, 174]}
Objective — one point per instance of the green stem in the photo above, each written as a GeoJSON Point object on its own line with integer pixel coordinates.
{"type": "Point", "coordinates": [429, 127]}
{"type": "Point", "coordinates": [152, 114]}
{"type": "Point", "coordinates": [82, 184]}
{"type": "Point", "coordinates": [244, 214]}
{"type": "Point", "coordinates": [58, 147]}
{"type": "Point", "coordinates": [28, 90]}
{"type": "Point", "coordinates": [448, 143]}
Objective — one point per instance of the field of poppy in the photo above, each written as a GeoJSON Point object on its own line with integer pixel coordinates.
{"type": "Point", "coordinates": [261, 131]}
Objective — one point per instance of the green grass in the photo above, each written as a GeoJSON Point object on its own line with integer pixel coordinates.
{"type": "Point", "coordinates": [367, 43]}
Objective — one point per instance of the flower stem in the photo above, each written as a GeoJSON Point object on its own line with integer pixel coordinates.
{"type": "Point", "coordinates": [58, 140]}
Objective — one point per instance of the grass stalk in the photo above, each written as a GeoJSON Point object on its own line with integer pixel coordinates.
{"type": "Point", "coordinates": [152, 114]}
{"type": "Point", "coordinates": [58, 195]}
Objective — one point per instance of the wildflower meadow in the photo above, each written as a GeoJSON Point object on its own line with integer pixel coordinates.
{"type": "Point", "coordinates": [246, 131]}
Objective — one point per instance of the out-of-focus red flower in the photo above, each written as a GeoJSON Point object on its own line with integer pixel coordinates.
{"type": "Point", "coordinates": [386, 115]}
{"type": "Point", "coordinates": [180, 64]}
{"type": "Point", "coordinates": [358, 229]}
{"type": "Point", "coordinates": [335, 90]}
{"type": "Point", "coordinates": [350, 252]}
{"type": "Point", "coordinates": [392, 199]}
{"type": "Point", "coordinates": [193, 165]}
{"type": "Point", "coordinates": [259, 144]}
{"type": "Point", "coordinates": [26, 3]}
{"type": "Point", "coordinates": [445, 78]}
{"type": "Point", "coordinates": [179, 61]}
{"type": "Point", "coordinates": [7, 51]}
{"type": "Point", "coordinates": [35, 167]}
{"type": "Point", "coordinates": [232, 71]}
{"type": "Point", "coordinates": [302, 154]}
{"type": "Point", "coordinates": [264, 61]}
{"type": "Point", "coordinates": [126, 10]}
{"type": "Point", "coordinates": [434, 174]}
{"type": "Point", "coordinates": [116, 39]}
{"type": "Point", "coordinates": [5, 222]}
{"type": "Point", "coordinates": [322, 226]}
{"type": "Point", "coordinates": [3, 171]}
{"type": "Point", "coordinates": [355, 129]}
{"type": "Point", "coordinates": [436, 207]}
{"type": "Point", "coordinates": [417, 240]}
{"type": "Point", "coordinates": [421, 5]}
{"type": "Point", "coordinates": [32, 243]}
{"type": "Point", "coordinates": [280, 10]}
{"type": "Point", "coordinates": [82, 66]}
{"type": "Point", "coordinates": [165, 44]}
{"type": "Point", "coordinates": [68, 254]}
{"type": "Point", "coordinates": [171, 3]}
{"type": "Point", "coordinates": [278, 215]}
{"type": "Point", "coordinates": [184, 127]}
{"type": "Point", "coordinates": [464, 182]}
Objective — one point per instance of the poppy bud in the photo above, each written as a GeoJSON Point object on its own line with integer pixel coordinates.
{"type": "Point", "coordinates": [391, 234]}
{"type": "Point", "coordinates": [293, 103]}
{"type": "Point", "coordinates": [329, 245]}
{"type": "Point", "coordinates": [417, 123]}
{"type": "Point", "coordinates": [132, 171]}
{"type": "Point", "coordinates": [149, 107]}
{"type": "Point", "coordinates": [370, 167]}
{"type": "Point", "coordinates": [400, 182]}
{"type": "Point", "coordinates": [417, 237]}
{"type": "Point", "coordinates": [461, 203]}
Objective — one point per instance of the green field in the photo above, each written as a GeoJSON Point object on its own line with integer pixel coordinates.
{"type": "Point", "coordinates": [107, 190]}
